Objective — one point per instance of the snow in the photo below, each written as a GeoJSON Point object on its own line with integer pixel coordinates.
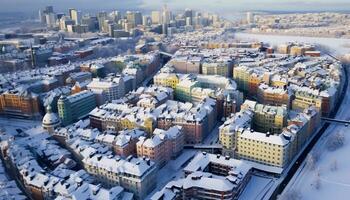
{"type": "Point", "coordinates": [257, 188]}
{"type": "Point", "coordinates": [336, 44]}
{"type": "Point", "coordinates": [173, 167]}
{"type": "Point", "coordinates": [10, 125]}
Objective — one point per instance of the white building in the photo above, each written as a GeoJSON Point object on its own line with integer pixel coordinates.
{"type": "Point", "coordinates": [113, 87]}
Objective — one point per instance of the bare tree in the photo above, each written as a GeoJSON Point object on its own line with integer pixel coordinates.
{"type": "Point", "coordinates": [334, 165]}
{"type": "Point", "coordinates": [335, 141]}
{"type": "Point", "coordinates": [317, 181]}
{"type": "Point", "coordinates": [312, 159]}
{"type": "Point", "coordinates": [290, 195]}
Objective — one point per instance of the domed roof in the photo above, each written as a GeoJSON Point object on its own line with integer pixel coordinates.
{"type": "Point", "coordinates": [50, 118]}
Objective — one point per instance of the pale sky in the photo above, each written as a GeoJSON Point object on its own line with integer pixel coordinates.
{"type": "Point", "coordinates": [210, 5]}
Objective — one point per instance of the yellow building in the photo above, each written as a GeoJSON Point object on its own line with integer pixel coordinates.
{"type": "Point", "coordinates": [166, 79]}
{"type": "Point", "coordinates": [264, 148]}
{"type": "Point", "coordinates": [304, 99]}
{"type": "Point", "coordinates": [227, 130]}
{"type": "Point", "coordinates": [241, 75]}
{"type": "Point", "coordinates": [269, 118]}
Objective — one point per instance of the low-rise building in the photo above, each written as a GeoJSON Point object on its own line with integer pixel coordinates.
{"type": "Point", "coordinates": [162, 145]}
{"type": "Point", "coordinates": [136, 175]}
{"type": "Point", "coordinates": [209, 176]}
{"type": "Point", "coordinates": [19, 103]}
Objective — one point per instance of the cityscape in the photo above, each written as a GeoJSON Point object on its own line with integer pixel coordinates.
{"type": "Point", "coordinates": [172, 100]}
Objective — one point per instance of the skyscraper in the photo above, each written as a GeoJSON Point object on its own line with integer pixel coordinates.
{"type": "Point", "coordinates": [135, 18]}
{"type": "Point", "coordinates": [188, 16]}
{"type": "Point", "coordinates": [156, 17]}
{"type": "Point", "coordinates": [250, 17]}
{"type": "Point", "coordinates": [51, 20]}
{"type": "Point", "coordinates": [101, 17]}
{"type": "Point", "coordinates": [75, 16]}
{"type": "Point", "coordinates": [166, 15]}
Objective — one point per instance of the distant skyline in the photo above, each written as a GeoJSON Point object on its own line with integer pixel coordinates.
{"type": "Point", "coordinates": [225, 6]}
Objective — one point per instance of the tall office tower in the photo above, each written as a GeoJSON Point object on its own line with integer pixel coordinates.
{"type": "Point", "coordinates": [216, 18]}
{"type": "Point", "coordinates": [70, 11]}
{"type": "Point", "coordinates": [188, 14]}
{"type": "Point", "coordinates": [101, 17]}
{"type": "Point", "coordinates": [42, 17]}
{"type": "Point", "coordinates": [64, 22]}
{"type": "Point", "coordinates": [48, 9]}
{"type": "Point", "coordinates": [145, 21]}
{"type": "Point", "coordinates": [76, 16]}
{"type": "Point", "coordinates": [166, 15]}
{"type": "Point", "coordinates": [116, 16]}
{"type": "Point", "coordinates": [51, 20]}
{"type": "Point", "coordinates": [250, 17]}
{"type": "Point", "coordinates": [156, 17]}
{"type": "Point", "coordinates": [130, 17]}
{"type": "Point", "coordinates": [90, 21]}
{"type": "Point", "coordinates": [43, 14]}
{"type": "Point", "coordinates": [165, 28]}
{"type": "Point", "coordinates": [134, 18]}
{"type": "Point", "coordinates": [188, 21]}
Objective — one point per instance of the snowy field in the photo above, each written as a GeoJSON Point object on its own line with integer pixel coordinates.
{"type": "Point", "coordinates": [338, 45]}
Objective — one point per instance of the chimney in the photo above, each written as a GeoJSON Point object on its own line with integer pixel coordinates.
{"type": "Point", "coordinates": [129, 158]}
{"type": "Point", "coordinates": [79, 182]}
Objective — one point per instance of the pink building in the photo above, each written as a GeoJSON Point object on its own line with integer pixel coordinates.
{"type": "Point", "coordinates": [162, 146]}
{"type": "Point", "coordinates": [176, 138]}
{"type": "Point", "coordinates": [125, 143]}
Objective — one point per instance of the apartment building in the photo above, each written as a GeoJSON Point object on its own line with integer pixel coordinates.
{"type": "Point", "coordinates": [136, 175]}
{"type": "Point", "coordinates": [113, 87]}
{"type": "Point", "coordinates": [162, 146]}
{"type": "Point", "coordinates": [166, 79]}
{"type": "Point", "coordinates": [209, 176]}
{"type": "Point", "coordinates": [275, 96]}
{"type": "Point", "coordinates": [74, 107]}
{"type": "Point", "coordinates": [19, 103]}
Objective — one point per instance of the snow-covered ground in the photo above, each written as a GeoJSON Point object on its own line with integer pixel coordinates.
{"type": "Point", "coordinates": [10, 125]}
{"type": "Point", "coordinates": [338, 45]}
{"type": "Point", "coordinates": [172, 170]}
{"type": "Point", "coordinates": [258, 188]}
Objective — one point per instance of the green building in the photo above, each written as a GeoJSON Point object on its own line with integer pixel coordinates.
{"type": "Point", "coordinates": [183, 90]}
{"type": "Point", "coordinates": [75, 107]}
